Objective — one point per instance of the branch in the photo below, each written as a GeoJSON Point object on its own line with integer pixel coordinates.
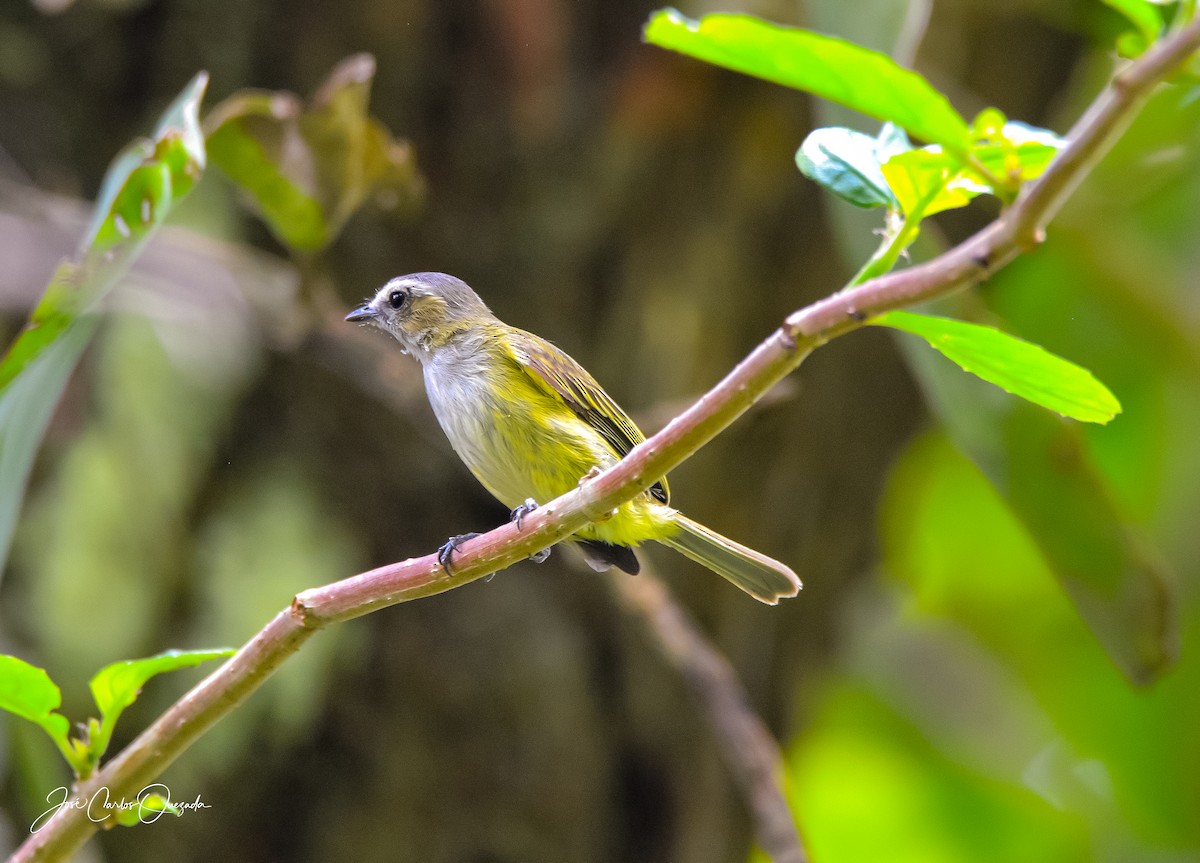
{"type": "Point", "coordinates": [750, 752]}
{"type": "Point", "coordinates": [1022, 227]}
{"type": "Point", "coordinates": [1019, 229]}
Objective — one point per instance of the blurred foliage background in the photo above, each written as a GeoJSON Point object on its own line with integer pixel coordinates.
{"type": "Point", "coordinates": [227, 442]}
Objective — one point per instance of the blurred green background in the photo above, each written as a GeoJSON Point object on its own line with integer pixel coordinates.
{"type": "Point", "coordinates": [227, 442]}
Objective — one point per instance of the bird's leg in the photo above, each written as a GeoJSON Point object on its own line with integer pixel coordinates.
{"type": "Point", "coordinates": [519, 513]}
{"type": "Point", "coordinates": [451, 546]}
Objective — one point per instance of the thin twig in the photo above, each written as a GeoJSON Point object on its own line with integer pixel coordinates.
{"type": "Point", "coordinates": [1018, 230]}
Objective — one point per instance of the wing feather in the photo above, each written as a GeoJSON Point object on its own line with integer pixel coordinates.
{"type": "Point", "coordinates": [555, 371]}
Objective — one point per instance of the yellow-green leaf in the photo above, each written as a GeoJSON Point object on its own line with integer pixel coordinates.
{"type": "Point", "coordinates": [1015, 365]}
{"type": "Point", "coordinates": [141, 185]}
{"type": "Point", "coordinates": [308, 168]}
{"type": "Point", "coordinates": [117, 686]}
{"type": "Point", "coordinates": [27, 691]}
{"type": "Point", "coordinates": [834, 69]}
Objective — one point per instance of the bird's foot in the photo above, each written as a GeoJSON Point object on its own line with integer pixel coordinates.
{"type": "Point", "coordinates": [519, 513]}
{"type": "Point", "coordinates": [451, 546]}
{"type": "Point", "coordinates": [523, 510]}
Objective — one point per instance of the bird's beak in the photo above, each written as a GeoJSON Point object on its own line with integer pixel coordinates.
{"type": "Point", "coordinates": [363, 313]}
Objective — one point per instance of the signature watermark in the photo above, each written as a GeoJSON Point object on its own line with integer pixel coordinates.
{"type": "Point", "coordinates": [150, 804]}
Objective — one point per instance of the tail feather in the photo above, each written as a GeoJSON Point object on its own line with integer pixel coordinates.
{"type": "Point", "coordinates": [764, 578]}
{"type": "Point", "coordinates": [602, 555]}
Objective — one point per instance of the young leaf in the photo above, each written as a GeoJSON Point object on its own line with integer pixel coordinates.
{"type": "Point", "coordinates": [846, 163]}
{"type": "Point", "coordinates": [308, 168]}
{"type": "Point", "coordinates": [1023, 162]}
{"type": "Point", "coordinates": [117, 686]}
{"type": "Point", "coordinates": [927, 181]}
{"type": "Point", "coordinates": [1018, 151]}
{"type": "Point", "coordinates": [27, 691]}
{"type": "Point", "coordinates": [1017, 133]}
{"type": "Point", "coordinates": [147, 809]}
{"type": "Point", "coordinates": [1020, 367]}
{"type": "Point", "coordinates": [861, 79]}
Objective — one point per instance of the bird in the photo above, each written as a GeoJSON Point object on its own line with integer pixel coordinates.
{"type": "Point", "coordinates": [530, 423]}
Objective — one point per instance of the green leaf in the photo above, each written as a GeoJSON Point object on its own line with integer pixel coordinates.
{"type": "Point", "coordinates": [177, 145]}
{"type": "Point", "coordinates": [1021, 163]}
{"type": "Point", "coordinates": [255, 142]}
{"type": "Point", "coordinates": [117, 686]}
{"type": "Point", "coordinates": [1043, 469]}
{"type": "Point", "coordinates": [27, 691]}
{"type": "Point", "coordinates": [988, 124]}
{"type": "Point", "coordinates": [144, 181]}
{"type": "Point", "coordinates": [1015, 365]}
{"type": "Point", "coordinates": [847, 163]}
{"type": "Point", "coordinates": [138, 207]}
{"type": "Point", "coordinates": [179, 139]}
{"type": "Point", "coordinates": [308, 169]}
{"type": "Point", "coordinates": [928, 181]}
{"type": "Point", "coordinates": [864, 80]}
{"type": "Point", "coordinates": [1145, 16]}
{"type": "Point", "coordinates": [26, 405]}
{"type": "Point", "coordinates": [1017, 151]}
{"type": "Point", "coordinates": [146, 809]}
{"type": "Point", "coordinates": [58, 308]}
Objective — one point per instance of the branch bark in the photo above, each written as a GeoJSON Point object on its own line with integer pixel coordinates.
{"type": "Point", "coordinates": [749, 750]}
{"type": "Point", "coordinates": [1018, 230]}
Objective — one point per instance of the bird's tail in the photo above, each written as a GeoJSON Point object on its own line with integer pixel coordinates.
{"type": "Point", "coordinates": [764, 578]}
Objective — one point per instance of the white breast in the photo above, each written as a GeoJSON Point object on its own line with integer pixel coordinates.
{"type": "Point", "coordinates": [502, 438]}
{"type": "Point", "coordinates": [470, 413]}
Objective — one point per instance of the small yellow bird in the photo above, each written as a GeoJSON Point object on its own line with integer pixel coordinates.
{"type": "Point", "coordinates": [530, 423]}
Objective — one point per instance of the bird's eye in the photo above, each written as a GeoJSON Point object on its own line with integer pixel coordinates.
{"type": "Point", "coordinates": [396, 299]}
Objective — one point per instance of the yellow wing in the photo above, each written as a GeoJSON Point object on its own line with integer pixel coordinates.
{"type": "Point", "coordinates": [555, 372]}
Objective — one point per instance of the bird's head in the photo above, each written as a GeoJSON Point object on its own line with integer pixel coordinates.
{"type": "Point", "coordinates": [424, 311]}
